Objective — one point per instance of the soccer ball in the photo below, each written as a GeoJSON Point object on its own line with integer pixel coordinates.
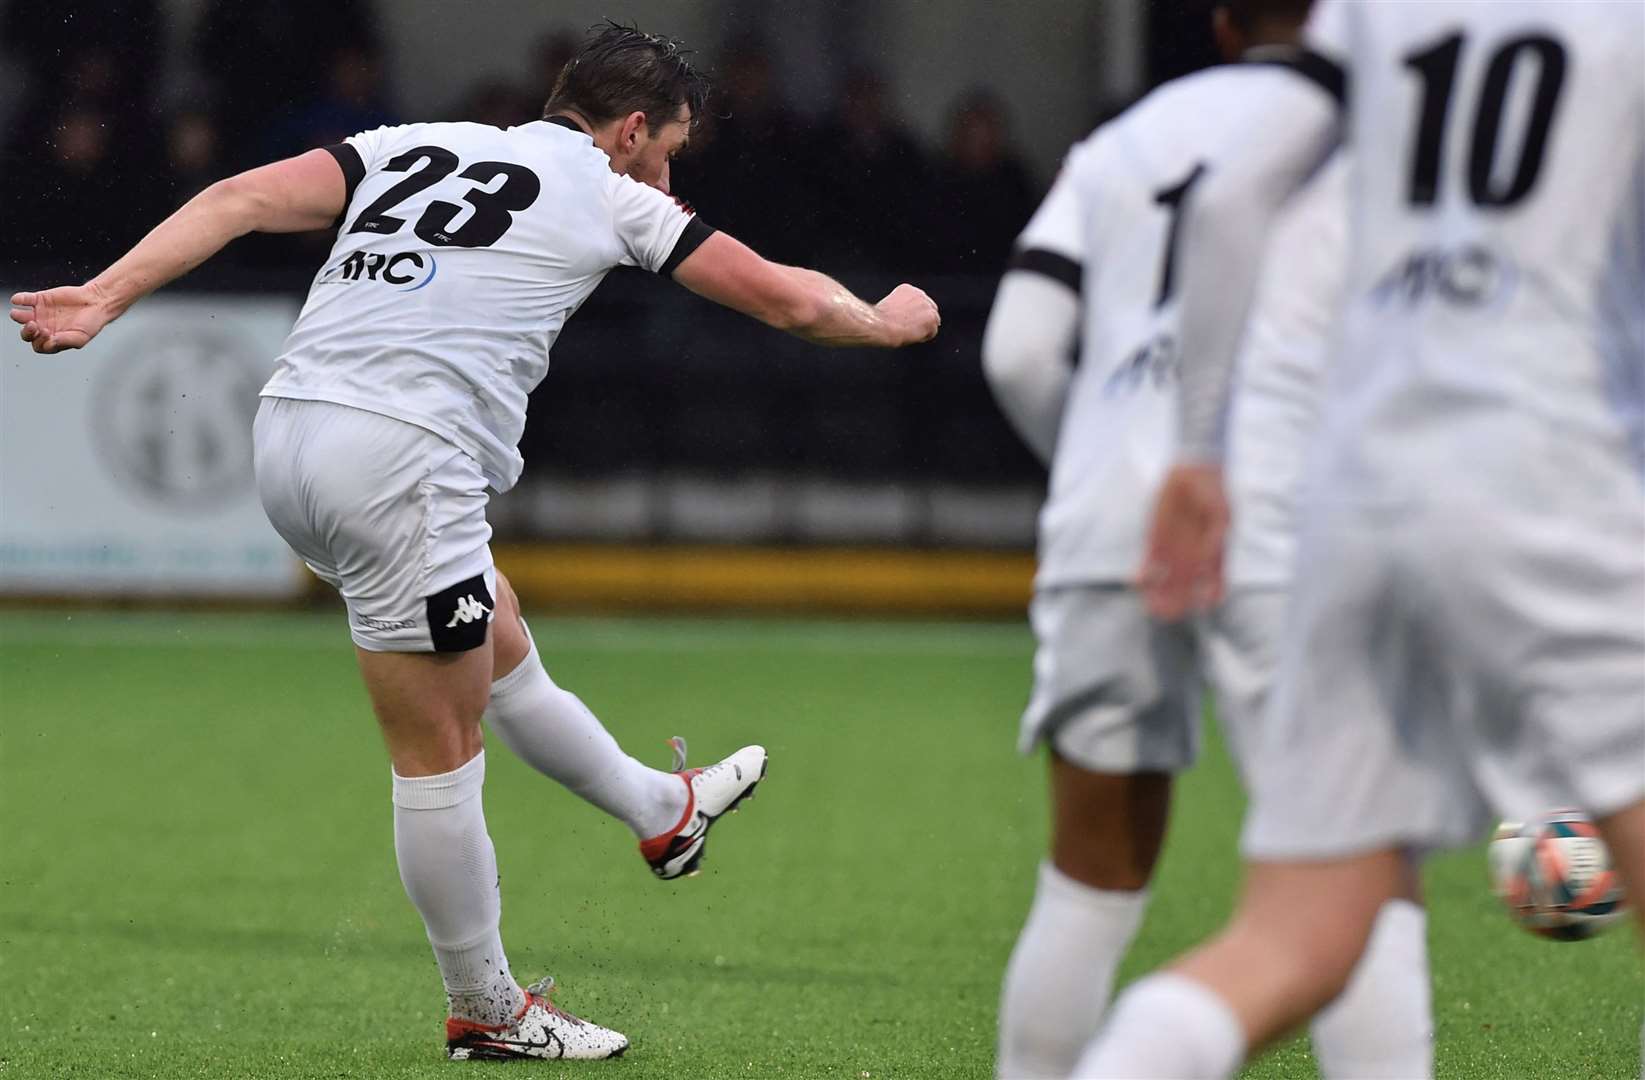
{"type": "Point", "coordinates": [1554, 875]}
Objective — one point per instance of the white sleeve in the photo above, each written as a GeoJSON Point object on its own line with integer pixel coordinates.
{"type": "Point", "coordinates": [357, 155]}
{"type": "Point", "coordinates": [370, 144]}
{"type": "Point", "coordinates": [654, 231]}
{"type": "Point", "coordinates": [1276, 137]}
{"type": "Point", "coordinates": [1058, 226]}
{"type": "Point", "coordinates": [1028, 347]}
{"type": "Point", "coordinates": [1027, 355]}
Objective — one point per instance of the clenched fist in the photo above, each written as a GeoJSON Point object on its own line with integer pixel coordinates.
{"type": "Point", "coordinates": [912, 313]}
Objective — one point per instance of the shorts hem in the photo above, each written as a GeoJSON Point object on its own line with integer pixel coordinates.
{"type": "Point", "coordinates": [480, 566]}
{"type": "Point", "coordinates": [1111, 763]}
{"type": "Point", "coordinates": [1616, 798]}
{"type": "Point", "coordinates": [378, 645]}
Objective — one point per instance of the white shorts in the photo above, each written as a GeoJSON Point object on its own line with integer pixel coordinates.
{"type": "Point", "coordinates": [1115, 691]}
{"type": "Point", "coordinates": [390, 515]}
{"type": "Point", "coordinates": [1436, 673]}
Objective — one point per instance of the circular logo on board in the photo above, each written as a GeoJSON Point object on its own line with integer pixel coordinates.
{"type": "Point", "coordinates": [173, 418]}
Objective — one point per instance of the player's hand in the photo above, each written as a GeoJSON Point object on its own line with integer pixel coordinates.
{"type": "Point", "coordinates": [1182, 565]}
{"type": "Point", "coordinates": [63, 318]}
{"type": "Point", "coordinates": [912, 314]}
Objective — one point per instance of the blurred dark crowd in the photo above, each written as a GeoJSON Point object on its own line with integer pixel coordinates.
{"type": "Point", "coordinates": [100, 147]}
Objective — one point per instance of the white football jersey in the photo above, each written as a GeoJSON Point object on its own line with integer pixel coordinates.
{"type": "Point", "coordinates": [462, 251]}
{"type": "Point", "coordinates": [1490, 341]}
{"type": "Point", "coordinates": [1110, 228]}
{"type": "Point", "coordinates": [1498, 150]}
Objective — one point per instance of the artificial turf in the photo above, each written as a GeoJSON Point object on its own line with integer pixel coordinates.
{"type": "Point", "coordinates": [197, 877]}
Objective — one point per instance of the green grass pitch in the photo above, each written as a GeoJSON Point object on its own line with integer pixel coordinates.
{"type": "Point", "coordinates": [198, 878]}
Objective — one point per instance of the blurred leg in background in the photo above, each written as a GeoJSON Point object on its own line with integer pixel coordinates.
{"type": "Point", "coordinates": [1116, 699]}
{"type": "Point", "coordinates": [1090, 900]}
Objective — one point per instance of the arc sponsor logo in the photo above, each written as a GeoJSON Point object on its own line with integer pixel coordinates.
{"type": "Point", "coordinates": [1154, 363]}
{"type": "Point", "coordinates": [1471, 276]}
{"type": "Point", "coordinates": [405, 271]}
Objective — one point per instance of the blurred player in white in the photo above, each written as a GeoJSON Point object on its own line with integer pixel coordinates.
{"type": "Point", "coordinates": [1117, 693]}
{"type": "Point", "coordinates": [1467, 635]}
{"type": "Point", "coordinates": [400, 397]}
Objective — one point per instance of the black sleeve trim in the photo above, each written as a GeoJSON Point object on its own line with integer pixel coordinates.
{"type": "Point", "coordinates": [354, 170]}
{"type": "Point", "coordinates": [690, 240]}
{"type": "Point", "coordinates": [1322, 71]}
{"type": "Point", "coordinates": [1052, 265]}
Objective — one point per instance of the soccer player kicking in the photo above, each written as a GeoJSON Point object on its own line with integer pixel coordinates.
{"type": "Point", "coordinates": [1116, 695]}
{"type": "Point", "coordinates": [1466, 633]}
{"type": "Point", "coordinates": [400, 396]}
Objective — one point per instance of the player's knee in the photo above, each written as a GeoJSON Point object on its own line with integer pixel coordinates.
{"type": "Point", "coordinates": [1311, 963]}
{"type": "Point", "coordinates": [1108, 828]}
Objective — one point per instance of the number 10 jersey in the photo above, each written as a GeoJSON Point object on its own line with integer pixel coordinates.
{"type": "Point", "coordinates": [461, 252]}
{"type": "Point", "coordinates": [1491, 342]}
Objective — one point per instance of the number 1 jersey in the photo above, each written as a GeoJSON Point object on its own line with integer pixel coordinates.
{"type": "Point", "coordinates": [1110, 228]}
{"type": "Point", "coordinates": [461, 252]}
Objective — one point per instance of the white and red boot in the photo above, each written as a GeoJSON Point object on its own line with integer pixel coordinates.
{"type": "Point", "coordinates": [542, 1030]}
{"type": "Point", "coordinates": [710, 792]}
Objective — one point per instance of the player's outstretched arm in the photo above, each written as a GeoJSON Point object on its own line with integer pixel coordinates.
{"type": "Point", "coordinates": [803, 302]}
{"type": "Point", "coordinates": [294, 195]}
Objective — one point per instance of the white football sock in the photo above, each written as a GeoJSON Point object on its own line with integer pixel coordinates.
{"type": "Point", "coordinates": [449, 869]}
{"type": "Point", "coordinates": [1166, 1027]}
{"type": "Point", "coordinates": [1381, 1025]}
{"type": "Point", "coordinates": [556, 734]}
{"type": "Point", "coordinates": [1061, 973]}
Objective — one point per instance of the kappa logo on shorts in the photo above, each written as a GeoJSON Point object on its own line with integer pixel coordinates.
{"type": "Point", "coordinates": [468, 609]}
{"type": "Point", "coordinates": [459, 616]}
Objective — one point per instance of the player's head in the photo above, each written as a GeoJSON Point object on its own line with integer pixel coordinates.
{"type": "Point", "coordinates": [638, 95]}
{"type": "Point", "coordinates": [1243, 24]}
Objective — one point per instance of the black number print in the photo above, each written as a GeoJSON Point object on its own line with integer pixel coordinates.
{"type": "Point", "coordinates": [1173, 198]}
{"type": "Point", "coordinates": [1488, 125]}
{"type": "Point", "coordinates": [441, 164]}
{"type": "Point", "coordinates": [1437, 67]}
{"type": "Point", "coordinates": [492, 209]}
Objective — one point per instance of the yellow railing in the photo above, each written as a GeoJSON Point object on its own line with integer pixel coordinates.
{"type": "Point", "coordinates": [792, 579]}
